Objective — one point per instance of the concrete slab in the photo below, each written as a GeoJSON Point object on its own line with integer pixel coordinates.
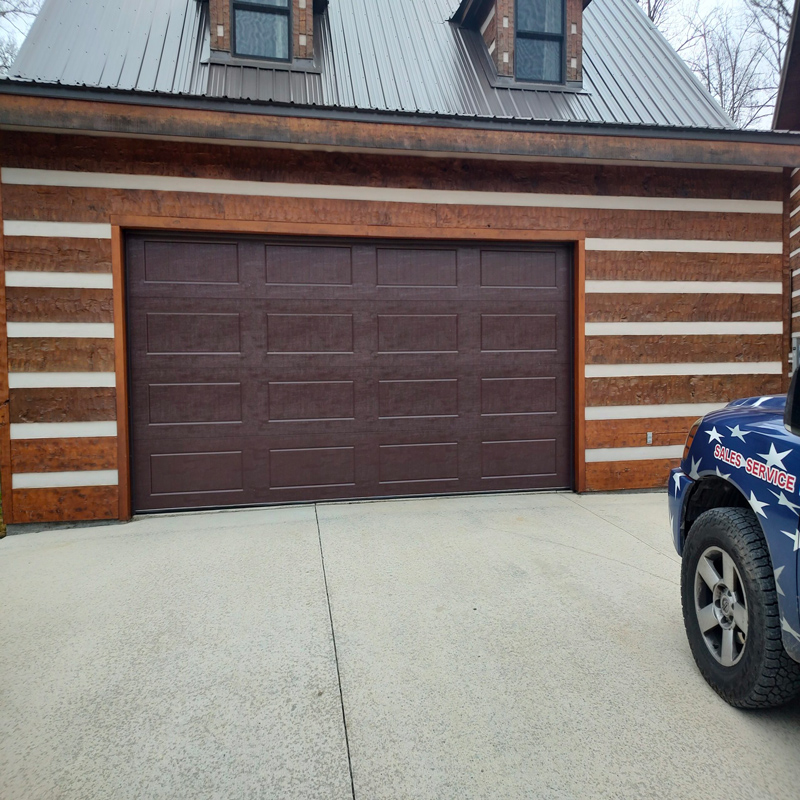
{"type": "Point", "coordinates": [531, 646]}
{"type": "Point", "coordinates": [174, 657]}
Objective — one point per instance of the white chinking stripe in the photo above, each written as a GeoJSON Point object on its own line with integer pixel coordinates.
{"type": "Point", "coordinates": [63, 330]}
{"type": "Point", "coordinates": [64, 480]}
{"type": "Point", "coordinates": [62, 430]}
{"type": "Point", "coordinates": [684, 287]}
{"type": "Point", "coordinates": [313, 191]}
{"type": "Point", "coordinates": [602, 413]}
{"type": "Point", "coordinates": [794, 232]}
{"type": "Point", "coordinates": [794, 253]}
{"type": "Point", "coordinates": [633, 453]}
{"type": "Point", "coordinates": [647, 370]}
{"type": "Point", "coordinates": [59, 230]}
{"type": "Point", "coordinates": [684, 246]}
{"type": "Point", "coordinates": [794, 191]}
{"type": "Point", "coordinates": [60, 280]}
{"type": "Point", "coordinates": [682, 328]}
{"type": "Point", "coordinates": [62, 380]}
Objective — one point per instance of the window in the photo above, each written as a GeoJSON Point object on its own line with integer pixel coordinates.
{"type": "Point", "coordinates": [262, 29]}
{"type": "Point", "coordinates": [540, 40]}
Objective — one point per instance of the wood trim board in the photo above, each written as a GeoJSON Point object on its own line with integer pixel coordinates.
{"type": "Point", "coordinates": [5, 423]}
{"type": "Point", "coordinates": [121, 368]}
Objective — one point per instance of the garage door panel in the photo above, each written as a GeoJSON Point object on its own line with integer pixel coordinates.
{"type": "Point", "coordinates": [343, 370]}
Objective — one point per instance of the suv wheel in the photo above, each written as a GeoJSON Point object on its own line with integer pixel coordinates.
{"type": "Point", "coordinates": [730, 610]}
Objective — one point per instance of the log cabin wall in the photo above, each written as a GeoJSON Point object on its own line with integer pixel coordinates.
{"type": "Point", "coordinates": [684, 297]}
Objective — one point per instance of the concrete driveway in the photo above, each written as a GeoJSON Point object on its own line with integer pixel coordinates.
{"type": "Point", "coordinates": [522, 646]}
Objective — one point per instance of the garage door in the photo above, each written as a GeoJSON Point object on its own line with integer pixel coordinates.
{"type": "Point", "coordinates": [279, 370]}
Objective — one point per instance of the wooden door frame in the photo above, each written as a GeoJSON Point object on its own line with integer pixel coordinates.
{"type": "Point", "coordinates": [122, 223]}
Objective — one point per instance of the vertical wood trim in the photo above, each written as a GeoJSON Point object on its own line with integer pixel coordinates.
{"type": "Point", "coordinates": [580, 366]}
{"type": "Point", "coordinates": [787, 279]}
{"type": "Point", "coordinates": [121, 368]}
{"type": "Point", "coordinates": [5, 430]}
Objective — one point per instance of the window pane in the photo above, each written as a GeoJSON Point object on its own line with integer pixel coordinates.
{"type": "Point", "coordinates": [279, 3]}
{"type": "Point", "coordinates": [540, 16]}
{"type": "Point", "coordinates": [262, 34]}
{"type": "Point", "coordinates": [538, 60]}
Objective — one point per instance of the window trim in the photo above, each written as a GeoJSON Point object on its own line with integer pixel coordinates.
{"type": "Point", "coordinates": [244, 5]}
{"type": "Point", "coordinates": [543, 37]}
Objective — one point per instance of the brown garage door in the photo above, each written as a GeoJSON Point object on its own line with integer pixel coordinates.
{"type": "Point", "coordinates": [275, 370]}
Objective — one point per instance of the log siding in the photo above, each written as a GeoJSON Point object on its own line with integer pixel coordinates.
{"type": "Point", "coordinates": [685, 307]}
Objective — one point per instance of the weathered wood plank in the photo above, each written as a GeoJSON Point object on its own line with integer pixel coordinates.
{"type": "Point", "coordinates": [46, 254]}
{"type": "Point", "coordinates": [614, 475]}
{"type": "Point", "coordinates": [678, 389]}
{"type": "Point", "coordinates": [63, 455]}
{"type": "Point", "coordinates": [27, 304]}
{"type": "Point", "coordinates": [60, 355]}
{"type": "Point", "coordinates": [633, 432]}
{"type": "Point", "coordinates": [65, 505]}
{"type": "Point", "coordinates": [63, 405]}
{"type": "Point", "coordinates": [683, 307]}
{"type": "Point", "coordinates": [682, 349]}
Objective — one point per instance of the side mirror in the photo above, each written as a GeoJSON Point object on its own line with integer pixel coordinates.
{"type": "Point", "coordinates": [791, 416]}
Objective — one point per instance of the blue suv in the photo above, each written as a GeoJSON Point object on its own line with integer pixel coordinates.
{"type": "Point", "coordinates": [734, 505]}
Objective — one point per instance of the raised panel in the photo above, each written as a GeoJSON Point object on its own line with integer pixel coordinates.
{"type": "Point", "coordinates": [529, 458]}
{"type": "Point", "coordinates": [510, 396]}
{"type": "Point", "coordinates": [196, 473]}
{"type": "Point", "coordinates": [310, 333]}
{"type": "Point", "coordinates": [518, 269]}
{"type": "Point", "coordinates": [527, 333]}
{"type": "Point", "coordinates": [419, 463]}
{"type": "Point", "coordinates": [408, 399]}
{"type": "Point", "coordinates": [407, 267]}
{"type": "Point", "coordinates": [308, 468]}
{"type": "Point", "coordinates": [290, 265]}
{"type": "Point", "coordinates": [193, 334]}
{"type": "Point", "coordinates": [306, 401]}
{"type": "Point", "coordinates": [194, 403]}
{"type": "Point", "coordinates": [191, 262]}
{"type": "Point", "coordinates": [416, 333]}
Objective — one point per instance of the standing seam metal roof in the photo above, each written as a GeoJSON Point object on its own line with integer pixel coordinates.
{"type": "Point", "coordinates": [401, 56]}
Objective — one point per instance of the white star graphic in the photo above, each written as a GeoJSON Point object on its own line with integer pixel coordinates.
{"type": "Point", "coordinates": [757, 505]}
{"type": "Point", "coordinates": [677, 478]}
{"type": "Point", "coordinates": [721, 475]}
{"type": "Point", "coordinates": [737, 432]}
{"type": "Point", "coordinates": [795, 537]}
{"type": "Point", "coordinates": [714, 436]}
{"type": "Point", "coordinates": [777, 580]}
{"type": "Point", "coordinates": [789, 629]}
{"type": "Point", "coordinates": [774, 458]}
{"type": "Point", "coordinates": [693, 474]}
{"type": "Point", "coordinates": [784, 501]}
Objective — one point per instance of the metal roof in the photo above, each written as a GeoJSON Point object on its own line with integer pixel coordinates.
{"type": "Point", "coordinates": [400, 56]}
{"type": "Point", "coordinates": [787, 108]}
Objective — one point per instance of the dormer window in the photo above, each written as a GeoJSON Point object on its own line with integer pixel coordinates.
{"type": "Point", "coordinates": [540, 40]}
{"type": "Point", "coordinates": [262, 29]}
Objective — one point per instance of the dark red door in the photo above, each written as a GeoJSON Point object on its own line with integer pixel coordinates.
{"type": "Point", "coordinates": [279, 370]}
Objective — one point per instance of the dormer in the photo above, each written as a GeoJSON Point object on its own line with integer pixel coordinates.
{"type": "Point", "coordinates": [530, 41]}
{"type": "Point", "coordinates": [269, 30]}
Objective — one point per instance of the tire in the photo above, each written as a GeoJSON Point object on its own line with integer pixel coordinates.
{"type": "Point", "coordinates": [740, 653]}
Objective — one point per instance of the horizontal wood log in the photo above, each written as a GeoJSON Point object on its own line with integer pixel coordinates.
{"type": "Point", "coordinates": [47, 254]}
{"type": "Point", "coordinates": [60, 355]}
{"type": "Point", "coordinates": [633, 432]}
{"type": "Point", "coordinates": [616, 475]}
{"type": "Point", "coordinates": [83, 504]}
{"type": "Point", "coordinates": [67, 115]}
{"type": "Point", "coordinates": [619, 266]}
{"type": "Point", "coordinates": [26, 304]}
{"type": "Point", "coordinates": [682, 349]}
{"type": "Point", "coordinates": [97, 205]}
{"type": "Point", "coordinates": [88, 154]}
{"type": "Point", "coordinates": [63, 405]}
{"type": "Point", "coordinates": [63, 455]}
{"type": "Point", "coordinates": [683, 307]}
{"type": "Point", "coordinates": [678, 389]}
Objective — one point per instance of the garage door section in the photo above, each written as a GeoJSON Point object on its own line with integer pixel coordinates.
{"type": "Point", "coordinates": [267, 371]}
